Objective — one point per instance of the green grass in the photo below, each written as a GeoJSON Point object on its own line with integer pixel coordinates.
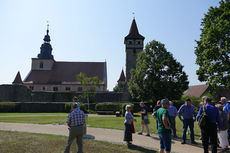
{"type": "Point", "coordinates": [99, 122]}
{"type": "Point", "coordinates": [16, 142]}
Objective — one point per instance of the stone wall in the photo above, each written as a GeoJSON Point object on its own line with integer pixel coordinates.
{"type": "Point", "coordinates": [20, 93]}
{"type": "Point", "coordinates": [14, 93]}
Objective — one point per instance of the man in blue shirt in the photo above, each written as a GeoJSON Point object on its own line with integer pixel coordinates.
{"type": "Point", "coordinates": [172, 114]}
{"type": "Point", "coordinates": [210, 132]}
{"type": "Point", "coordinates": [187, 110]}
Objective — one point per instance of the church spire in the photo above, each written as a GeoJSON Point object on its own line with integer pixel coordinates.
{"type": "Point", "coordinates": [122, 77]}
{"type": "Point", "coordinates": [133, 32]}
{"type": "Point", "coordinates": [46, 48]}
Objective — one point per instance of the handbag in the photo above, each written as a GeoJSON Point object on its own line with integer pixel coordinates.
{"type": "Point", "coordinates": [203, 120]}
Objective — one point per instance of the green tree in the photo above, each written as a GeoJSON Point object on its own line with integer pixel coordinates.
{"type": "Point", "coordinates": [157, 75]}
{"type": "Point", "coordinates": [120, 87]}
{"type": "Point", "coordinates": [213, 48]}
{"type": "Point", "coordinates": [90, 84]}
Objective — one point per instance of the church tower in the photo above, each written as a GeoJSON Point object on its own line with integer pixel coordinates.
{"type": "Point", "coordinates": [134, 43]}
{"type": "Point", "coordinates": [45, 59]}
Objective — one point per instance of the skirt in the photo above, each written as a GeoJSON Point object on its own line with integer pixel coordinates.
{"type": "Point", "coordinates": [128, 133]}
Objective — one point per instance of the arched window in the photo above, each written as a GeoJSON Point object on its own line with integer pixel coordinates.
{"type": "Point", "coordinates": [41, 65]}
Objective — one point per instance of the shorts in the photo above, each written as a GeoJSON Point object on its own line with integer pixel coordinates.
{"type": "Point", "coordinates": [165, 141]}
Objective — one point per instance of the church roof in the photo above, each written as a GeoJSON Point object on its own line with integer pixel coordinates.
{"type": "Point", "coordinates": [196, 90]}
{"type": "Point", "coordinates": [67, 72]}
{"type": "Point", "coordinates": [133, 32]}
{"type": "Point", "coordinates": [18, 79]}
{"type": "Point", "coordinates": [122, 77]}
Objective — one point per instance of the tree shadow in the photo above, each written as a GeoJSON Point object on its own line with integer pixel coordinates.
{"type": "Point", "coordinates": [141, 149]}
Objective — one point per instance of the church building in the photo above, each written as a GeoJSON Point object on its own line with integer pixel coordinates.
{"type": "Point", "coordinates": [47, 74]}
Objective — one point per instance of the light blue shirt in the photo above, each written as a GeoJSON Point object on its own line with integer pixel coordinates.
{"type": "Point", "coordinates": [172, 111]}
{"type": "Point", "coordinates": [187, 111]}
{"type": "Point", "coordinates": [226, 108]}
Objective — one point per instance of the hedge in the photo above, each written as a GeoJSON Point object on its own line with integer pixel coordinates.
{"type": "Point", "coordinates": [114, 107]}
{"type": "Point", "coordinates": [7, 107]}
{"type": "Point", "coordinates": [68, 107]}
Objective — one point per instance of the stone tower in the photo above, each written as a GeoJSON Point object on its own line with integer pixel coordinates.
{"type": "Point", "coordinates": [134, 43]}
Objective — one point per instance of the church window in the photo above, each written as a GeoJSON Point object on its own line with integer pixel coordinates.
{"type": "Point", "coordinates": [43, 88]}
{"type": "Point", "coordinates": [41, 65]}
{"type": "Point", "coordinates": [67, 88]}
{"type": "Point", "coordinates": [130, 42]}
{"type": "Point", "coordinates": [134, 51]}
{"type": "Point", "coordinates": [138, 42]}
{"type": "Point", "coordinates": [55, 88]}
{"type": "Point", "coordinates": [79, 89]}
{"type": "Point", "coordinates": [31, 87]}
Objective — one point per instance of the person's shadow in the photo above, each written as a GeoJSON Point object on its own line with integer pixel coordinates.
{"type": "Point", "coordinates": [87, 136]}
{"type": "Point", "coordinates": [141, 149]}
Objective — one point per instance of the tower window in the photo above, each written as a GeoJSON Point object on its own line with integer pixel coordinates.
{"type": "Point", "coordinates": [55, 88]}
{"type": "Point", "coordinates": [41, 65]}
{"type": "Point", "coordinates": [43, 88]}
{"type": "Point", "coordinates": [134, 51]}
{"type": "Point", "coordinates": [31, 87]}
{"type": "Point", "coordinates": [138, 42]}
{"type": "Point", "coordinates": [130, 42]}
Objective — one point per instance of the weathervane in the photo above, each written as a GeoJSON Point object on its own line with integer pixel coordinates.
{"type": "Point", "coordinates": [47, 27]}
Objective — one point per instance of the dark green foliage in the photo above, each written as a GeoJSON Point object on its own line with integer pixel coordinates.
{"type": "Point", "coordinates": [68, 107]}
{"type": "Point", "coordinates": [108, 107]}
{"type": "Point", "coordinates": [213, 48]}
{"type": "Point", "coordinates": [120, 87]}
{"type": "Point", "coordinates": [7, 107]}
{"type": "Point", "coordinates": [113, 107]}
{"type": "Point", "coordinates": [157, 75]}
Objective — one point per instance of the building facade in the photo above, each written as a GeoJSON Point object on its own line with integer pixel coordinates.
{"type": "Point", "coordinates": [49, 75]}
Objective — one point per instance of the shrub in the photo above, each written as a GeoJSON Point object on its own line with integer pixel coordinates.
{"type": "Point", "coordinates": [7, 107]}
{"type": "Point", "coordinates": [107, 107]}
{"type": "Point", "coordinates": [68, 107]}
{"type": "Point", "coordinates": [113, 107]}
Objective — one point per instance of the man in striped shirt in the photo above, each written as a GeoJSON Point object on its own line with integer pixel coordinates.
{"type": "Point", "coordinates": [75, 121]}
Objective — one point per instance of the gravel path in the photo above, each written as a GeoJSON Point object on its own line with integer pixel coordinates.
{"type": "Point", "coordinates": [110, 135]}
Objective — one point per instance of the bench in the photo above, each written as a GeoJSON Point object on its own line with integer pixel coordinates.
{"type": "Point", "coordinates": [105, 112]}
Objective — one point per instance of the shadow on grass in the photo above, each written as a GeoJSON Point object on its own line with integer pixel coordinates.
{"type": "Point", "coordinates": [141, 149]}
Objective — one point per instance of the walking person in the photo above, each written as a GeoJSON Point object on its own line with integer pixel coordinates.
{"type": "Point", "coordinates": [172, 114]}
{"type": "Point", "coordinates": [187, 110]}
{"type": "Point", "coordinates": [210, 131]}
{"type": "Point", "coordinates": [128, 123]}
{"type": "Point", "coordinates": [164, 130]}
{"type": "Point", "coordinates": [75, 121]}
{"type": "Point", "coordinates": [223, 131]}
{"type": "Point", "coordinates": [144, 119]}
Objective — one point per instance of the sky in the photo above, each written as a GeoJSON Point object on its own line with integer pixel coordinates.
{"type": "Point", "coordinates": [94, 31]}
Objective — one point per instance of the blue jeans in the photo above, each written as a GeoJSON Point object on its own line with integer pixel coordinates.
{"type": "Point", "coordinates": [188, 123]}
{"type": "Point", "coordinates": [165, 141]}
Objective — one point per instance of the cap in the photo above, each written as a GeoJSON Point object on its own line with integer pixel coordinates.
{"type": "Point", "coordinates": [188, 99]}
{"type": "Point", "coordinates": [164, 101]}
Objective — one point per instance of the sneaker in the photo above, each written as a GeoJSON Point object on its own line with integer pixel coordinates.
{"type": "Point", "coordinates": [140, 133]}
{"type": "Point", "coordinates": [194, 142]}
{"type": "Point", "coordinates": [148, 135]}
{"type": "Point", "coordinates": [183, 142]}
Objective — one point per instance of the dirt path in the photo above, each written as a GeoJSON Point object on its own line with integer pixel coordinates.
{"type": "Point", "coordinates": [114, 136]}
{"type": "Point", "coordinates": [89, 115]}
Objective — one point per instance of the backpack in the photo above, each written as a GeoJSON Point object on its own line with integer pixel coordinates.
{"type": "Point", "coordinates": [203, 120]}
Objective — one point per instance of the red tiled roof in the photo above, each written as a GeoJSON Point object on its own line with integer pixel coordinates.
{"type": "Point", "coordinates": [197, 90]}
{"type": "Point", "coordinates": [133, 32]}
{"type": "Point", "coordinates": [122, 77]}
{"type": "Point", "coordinates": [18, 79]}
{"type": "Point", "coordinates": [67, 72]}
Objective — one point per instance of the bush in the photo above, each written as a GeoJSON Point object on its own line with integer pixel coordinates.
{"type": "Point", "coordinates": [113, 107]}
{"type": "Point", "coordinates": [68, 107]}
{"type": "Point", "coordinates": [7, 107]}
{"type": "Point", "coordinates": [107, 107]}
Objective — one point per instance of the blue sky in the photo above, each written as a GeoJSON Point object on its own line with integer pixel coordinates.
{"type": "Point", "coordinates": [94, 30]}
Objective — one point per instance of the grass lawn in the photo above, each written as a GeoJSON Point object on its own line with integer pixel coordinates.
{"type": "Point", "coordinates": [16, 142]}
{"type": "Point", "coordinates": [100, 122]}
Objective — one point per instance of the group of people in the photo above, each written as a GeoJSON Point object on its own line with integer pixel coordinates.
{"type": "Point", "coordinates": [217, 124]}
